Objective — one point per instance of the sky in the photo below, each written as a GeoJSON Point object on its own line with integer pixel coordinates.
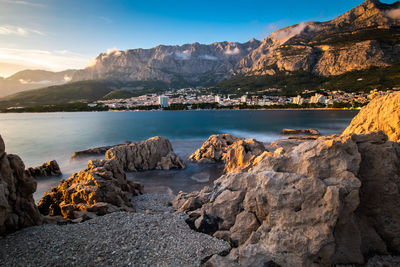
{"type": "Point", "coordinates": [62, 34]}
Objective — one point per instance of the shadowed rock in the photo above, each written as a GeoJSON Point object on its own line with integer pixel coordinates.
{"type": "Point", "coordinates": [47, 169]}
{"type": "Point", "coordinates": [17, 207]}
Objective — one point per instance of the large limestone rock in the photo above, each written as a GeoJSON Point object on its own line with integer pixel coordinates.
{"type": "Point", "coordinates": [17, 207]}
{"type": "Point", "coordinates": [381, 114]}
{"type": "Point", "coordinates": [154, 153]}
{"type": "Point", "coordinates": [322, 202]}
{"type": "Point", "coordinates": [47, 169]}
{"type": "Point", "coordinates": [237, 153]}
{"type": "Point", "coordinates": [99, 189]}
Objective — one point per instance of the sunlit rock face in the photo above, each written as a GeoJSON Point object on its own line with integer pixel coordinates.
{"type": "Point", "coordinates": [310, 203]}
{"type": "Point", "coordinates": [189, 63]}
{"type": "Point", "coordinates": [17, 207]}
{"type": "Point", "coordinates": [365, 36]}
{"type": "Point", "coordinates": [381, 114]}
{"type": "Point", "coordinates": [237, 153]}
{"type": "Point", "coordinates": [99, 189]}
{"type": "Point", "coordinates": [154, 153]}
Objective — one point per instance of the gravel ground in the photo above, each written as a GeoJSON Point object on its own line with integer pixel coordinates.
{"type": "Point", "coordinates": [155, 203]}
{"type": "Point", "coordinates": [160, 238]}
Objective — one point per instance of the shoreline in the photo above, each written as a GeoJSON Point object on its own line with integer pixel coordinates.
{"type": "Point", "coordinates": [249, 109]}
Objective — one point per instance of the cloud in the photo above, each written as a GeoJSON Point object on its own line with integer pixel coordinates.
{"type": "Point", "coordinates": [113, 51]}
{"type": "Point", "coordinates": [208, 57]}
{"type": "Point", "coordinates": [22, 2]}
{"type": "Point", "coordinates": [234, 51]}
{"type": "Point", "coordinates": [285, 34]}
{"type": "Point", "coordinates": [185, 55]}
{"type": "Point", "coordinates": [67, 78]}
{"type": "Point", "coordinates": [42, 59]}
{"type": "Point", "coordinates": [22, 81]}
{"type": "Point", "coordinates": [393, 14]}
{"type": "Point", "coordinates": [16, 30]}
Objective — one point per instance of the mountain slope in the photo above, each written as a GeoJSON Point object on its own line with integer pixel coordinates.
{"type": "Point", "coordinates": [364, 37]}
{"type": "Point", "coordinates": [189, 63]}
{"type": "Point", "coordinates": [32, 79]}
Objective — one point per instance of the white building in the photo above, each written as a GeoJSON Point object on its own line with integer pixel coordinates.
{"type": "Point", "coordinates": [218, 99]}
{"type": "Point", "coordinates": [163, 101]}
{"type": "Point", "coordinates": [298, 100]}
{"type": "Point", "coordinates": [317, 98]}
{"type": "Point", "coordinates": [243, 99]}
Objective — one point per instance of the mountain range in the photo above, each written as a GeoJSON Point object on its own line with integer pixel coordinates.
{"type": "Point", "coordinates": [363, 41]}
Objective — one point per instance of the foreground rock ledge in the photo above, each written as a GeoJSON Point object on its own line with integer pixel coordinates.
{"type": "Point", "coordinates": [153, 153]}
{"type": "Point", "coordinates": [17, 207]}
{"type": "Point", "coordinates": [99, 189]}
{"type": "Point", "coordinates": [329, 201]}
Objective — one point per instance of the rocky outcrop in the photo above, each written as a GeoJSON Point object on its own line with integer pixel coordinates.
{"type": "Point", "coordinates": [381, 114]}
{"type": "Point", "coordinates": [154, 153]}
{"type": "Point", "coordinates": [96, 151]}
{"type": "Point", "coordinates": [99, 189]}
{"type": "Point", "coordinates": [17, 207]}
{"type": "Point", "coordinates": [300, 131]}
{"type": "Point", "coordinates": [317, 203]}
{"type": "Point", "coordinates": [47, 169]}
{"type": "Point", "coordinates": [237, 153]}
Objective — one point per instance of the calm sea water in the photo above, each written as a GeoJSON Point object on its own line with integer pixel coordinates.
{"type": "Point", "coordinates": [40, 137]}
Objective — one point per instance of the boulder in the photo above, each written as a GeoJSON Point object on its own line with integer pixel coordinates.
{"type": "Point", "coordinates": [17, 207]}
{"type": "Point", "coordinates": [99, 189]}
{"type": "Point", "coordinates": [300, 131]}
{"type": "Point", "coordinates": [154, 153]}
{"type": "Point", "coordinates": [47, 169]}
{"type": "Point", "coordinates": [316, 203]}
{"type": "Point", "coordinates": [237, 153]}
{"type": "Point", "coordinates": [381, 114]}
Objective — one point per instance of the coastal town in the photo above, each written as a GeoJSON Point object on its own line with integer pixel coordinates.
{"type": "Point", "coordinates": [194, 98]}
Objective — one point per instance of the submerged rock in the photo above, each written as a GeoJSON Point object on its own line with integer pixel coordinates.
{"type": "Point", "coordinates": [153, 153]}
{"type": "Point", "coordinates": [381, 114]}
{"type": "Point", "coordinates": [17, 207]}
{"type": "Point", "coordinates": [300, 131]}
{"type": "Point", "coordinates": [99, 189]}
{"type": "Point", "coordinates": [237, 153]}
{"type": "Point", "coordinates": [47, 169]}
{"type": "Point", "coordinates": [322, 202]}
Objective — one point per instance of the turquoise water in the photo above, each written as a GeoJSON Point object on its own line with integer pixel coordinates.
{"type": "Point", "coordinates": [39, 137]}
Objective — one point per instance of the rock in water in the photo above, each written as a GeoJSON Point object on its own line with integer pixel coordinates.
{"type": "Point", "coordinates": [323, 202]}
{"type": "Point", "coordinates": [237, 153]}
{"type": "Point", "coordinates": [47, 169]}
{"type": "Point", "coordinates": [154, 153]}
{"type": "Point", "coordinates": [17, 207]}
{"type": "Point", "coordinates": [99, 189]}
{"type": "Point", "coordinates": [381, 114]}
{"type": "Point", "coordinates": [300, 131]}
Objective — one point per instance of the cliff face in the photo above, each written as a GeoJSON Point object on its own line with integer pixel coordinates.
{"type": "Point", "coordinates": [196, 63]}
{"type": "Point", "coordinates": [366, 36]}
{"type": "Point", "coordinates": [17, 207]}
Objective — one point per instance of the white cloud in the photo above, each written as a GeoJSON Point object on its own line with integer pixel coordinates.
{"type": "Point", "coordinates": [16, 30]}
{"type": "Point", "coordinates": [234, 51]}
{"type": "Point", "coordinates": [393, 14]}
{"type": "Point", "coordinates": [113, 51]}
{"type": "Point", "coordinates": [208, 57]}
{"type": "Point", "coordinates": [42, 59]}
{"type": "Point", "coordinates": [67, 78]}
{"type": "Point", "coordinates": [285, 34]}
{"type": "Point", "coordinates": [22, 81]}
{"type": "Point", "coordinates": [22, 2]}
{"type": "Point", "coordinates": [185, 55]}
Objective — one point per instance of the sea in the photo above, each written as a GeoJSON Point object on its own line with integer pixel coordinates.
{"type": "Point", "coordinates": [41, 137]}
